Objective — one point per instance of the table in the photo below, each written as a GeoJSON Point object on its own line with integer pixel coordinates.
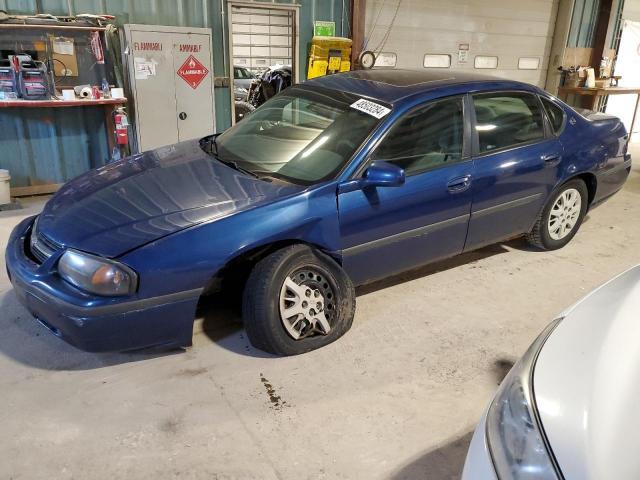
{"type": "Point", "coordinates": [599, 92]}
{"type": "Point", "coordinates": [108, 105]}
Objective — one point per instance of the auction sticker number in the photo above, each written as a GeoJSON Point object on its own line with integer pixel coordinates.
{"type": "Point", "coordinates": [371, 108]}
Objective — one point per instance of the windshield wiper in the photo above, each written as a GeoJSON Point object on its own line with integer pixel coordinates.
{"type": "Point", "coordinates": [213, 150]}
{"type": "Point", "coordinates": [214, 144]}
{"type": "Point", "coordinates": [235, 166]}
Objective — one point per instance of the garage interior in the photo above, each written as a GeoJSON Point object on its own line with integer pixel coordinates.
{"type": "Point", "coordinates": [399, 396]}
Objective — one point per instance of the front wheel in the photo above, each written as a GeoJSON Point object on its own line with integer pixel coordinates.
{"type": "Point", "coordinates": [296, 300]}
{"type": "Point", "coordinates": [561, 218]}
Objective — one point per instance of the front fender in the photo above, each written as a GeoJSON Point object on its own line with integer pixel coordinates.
{"type": "Point", "coordinates": [190, 258]}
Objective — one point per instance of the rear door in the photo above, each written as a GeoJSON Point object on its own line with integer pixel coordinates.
{"type": "Point", "coordinates": [390, 229]}
{"type": "Point", "coordinates": [516, 160]}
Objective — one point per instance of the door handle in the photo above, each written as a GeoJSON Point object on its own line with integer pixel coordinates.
{"type": "Point", "coordinates": [459, 184]}
{"type": "Point", "coordinates": [550, 160]}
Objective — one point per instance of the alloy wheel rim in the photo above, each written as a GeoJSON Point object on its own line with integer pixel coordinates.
{"type": "Point", "coordinates": [307, 303]}
{"type": "Point", "coordinates": [564, 214]}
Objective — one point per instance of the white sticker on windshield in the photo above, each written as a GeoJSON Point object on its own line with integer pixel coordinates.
{"type": "Point", "coordinates": [371, 108]}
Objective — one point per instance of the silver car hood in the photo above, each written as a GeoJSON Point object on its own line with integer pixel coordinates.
{"type": "Point", "coordinates": [587, 384]}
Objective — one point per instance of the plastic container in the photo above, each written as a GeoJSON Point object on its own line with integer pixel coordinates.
{"type": "Point", "coordinates": [5, 192]}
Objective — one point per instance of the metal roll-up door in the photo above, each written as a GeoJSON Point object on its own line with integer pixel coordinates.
{"type": "Point", "coordinates": [262, 37]}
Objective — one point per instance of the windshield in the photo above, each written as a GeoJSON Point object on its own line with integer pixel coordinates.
{"type": "Point", "coordinates": [301, 135]}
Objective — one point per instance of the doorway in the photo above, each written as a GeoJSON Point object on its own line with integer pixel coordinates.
{"type": "Point", "coordinates": [627, 67]}
{"type": "Point", "coordinates": [260, 37]}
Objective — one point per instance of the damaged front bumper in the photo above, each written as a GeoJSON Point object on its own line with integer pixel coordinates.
{"type": "Point", "coordinates": [90, 322]}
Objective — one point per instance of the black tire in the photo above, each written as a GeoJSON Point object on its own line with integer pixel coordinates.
{"type": "Point", "coordinates": [242, 110]}
{"type": "Point", "coordinates": [539, 236]}
{"type": "Point", "coordinates": [261, 300]}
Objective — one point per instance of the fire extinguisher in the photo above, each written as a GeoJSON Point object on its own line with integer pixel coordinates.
{"type": "Point", "coordinates": [122, 127]}
{"type": "Point", "coordinates": [121, 123]}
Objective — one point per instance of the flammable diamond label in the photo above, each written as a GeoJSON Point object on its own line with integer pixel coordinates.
{"type": "Point", "coordinates": [193, 72]}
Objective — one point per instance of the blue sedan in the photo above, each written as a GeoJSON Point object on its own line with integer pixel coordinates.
{"type": "Point", "coordinates": [333, 183]}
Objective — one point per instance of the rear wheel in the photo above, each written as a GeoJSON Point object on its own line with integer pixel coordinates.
{"type": "Point", "coordinates": [561, 218]}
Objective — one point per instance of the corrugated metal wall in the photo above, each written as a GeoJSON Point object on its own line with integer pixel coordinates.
{"type": "Point", "coordinates": [36, 154]}
{"type": "Point", "coordinates": [51, 145]}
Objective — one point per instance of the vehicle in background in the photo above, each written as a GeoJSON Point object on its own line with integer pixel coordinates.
{"type": "Point", "coordinates": [272, 81]}
{"type": "Point", "coordinates": [242, 77]}
{"type": "Point", "coordinates": [336, 182]}
{"type": "Point", "coordinates": [568, 408]}
{"type": "Point", "coordinates": [242, 107]}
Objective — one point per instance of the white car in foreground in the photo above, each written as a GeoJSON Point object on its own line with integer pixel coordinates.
{"type": "Point", "coordinates": [569, 408]}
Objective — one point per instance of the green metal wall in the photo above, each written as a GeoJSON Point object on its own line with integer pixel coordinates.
{"type": "Point", "coordinates": [54, 145]}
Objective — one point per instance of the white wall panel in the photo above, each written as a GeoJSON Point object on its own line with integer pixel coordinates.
{"type": "Point", "coordinates": [631, 10]}
{"type": "Point", "coordinates": [520, 28]}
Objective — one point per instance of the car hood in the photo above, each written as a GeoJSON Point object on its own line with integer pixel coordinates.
{"type": "Point", "coordinates": [124, 205]}
{"type": "Point", "coordinates": [586, 384]}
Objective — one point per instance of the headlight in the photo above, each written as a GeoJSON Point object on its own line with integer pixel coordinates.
{"type": "Point", "coordinates": [96, 275]}
{"type": "Point", "coordinates": [514, 436]}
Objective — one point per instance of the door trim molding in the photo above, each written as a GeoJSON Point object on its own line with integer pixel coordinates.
{"type": "Point", "coordinates": [397, 237]}
{"type": "Point", "coordinates": [506, 205]}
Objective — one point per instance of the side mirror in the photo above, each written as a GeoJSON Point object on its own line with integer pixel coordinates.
{"type": "Point", "coordinates": [383, 174]}
{"type": "Point", "coordinates": [379, 174]}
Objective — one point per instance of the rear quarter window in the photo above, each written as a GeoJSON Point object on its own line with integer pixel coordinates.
{"type": "Point", "coordinates": [555, 114]}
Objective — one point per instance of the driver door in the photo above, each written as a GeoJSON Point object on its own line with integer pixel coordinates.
{"type": "Point", "coordinates": [386, 230]}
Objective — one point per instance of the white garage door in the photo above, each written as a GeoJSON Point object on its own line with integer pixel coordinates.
{"type": "Point", "coordinates": [515, 35]}
{"type": "Point", "coordinates": [262, 37]}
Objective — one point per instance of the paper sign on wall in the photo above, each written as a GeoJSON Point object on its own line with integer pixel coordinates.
{"type": "Point", "coordinates": [463, 52]}
{"type": "Point", "coordinates": [65, 63]}
{"type": "Point", "coordinates": [144, 68]}
{"type": "Point", "coordinates": [63, 46]}
{"type": "Point", "coordinates": [324, 29]}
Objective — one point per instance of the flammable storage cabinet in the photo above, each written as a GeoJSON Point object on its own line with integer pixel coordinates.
{"type": "Point", "coordinates": [170, 82]}
{"type": "Point", "coordinates": [329, 55]}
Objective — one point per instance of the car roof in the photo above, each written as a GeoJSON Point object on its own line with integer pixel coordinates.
{"type": "Point", "coordinates": [392, 85]}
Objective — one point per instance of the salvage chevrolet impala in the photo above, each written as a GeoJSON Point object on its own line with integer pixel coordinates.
{"type": "Point", "coordinates": [333, 183]}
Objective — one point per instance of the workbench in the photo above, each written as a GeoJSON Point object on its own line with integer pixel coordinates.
{"type": "Point", "coordinates": [39, 118]}
{"type": "Point", "coordinates": [599, 92]}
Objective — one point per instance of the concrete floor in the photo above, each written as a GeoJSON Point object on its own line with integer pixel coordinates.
{"type": "Point", "coordinates": [397, 398]}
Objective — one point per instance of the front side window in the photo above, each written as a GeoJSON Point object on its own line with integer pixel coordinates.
{"type": "Point", "coordinates": [507, 119]}
{"type": "Point", "coordinates": [555, 114]}
{"type": "Point", "coordinates": [425, 139]}
{"type": "Point", "coordinates": [301, 135]}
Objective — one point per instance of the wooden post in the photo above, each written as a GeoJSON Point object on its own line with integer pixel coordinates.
{"type": "Point", "coordinates": [633, 120]}
{"type": "Point", "coordinates": [357, 30]}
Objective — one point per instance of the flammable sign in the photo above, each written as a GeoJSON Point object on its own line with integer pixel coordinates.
{"type": "Point", "coordinates": [192, 71]}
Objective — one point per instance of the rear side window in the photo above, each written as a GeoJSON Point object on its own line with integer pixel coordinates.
{"type": "Point", "coordinates": [426, 138]}
{"type": "Point", "coordinates": [555, 114]}
{"type": "Point", "coordinates": [507, 119]}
